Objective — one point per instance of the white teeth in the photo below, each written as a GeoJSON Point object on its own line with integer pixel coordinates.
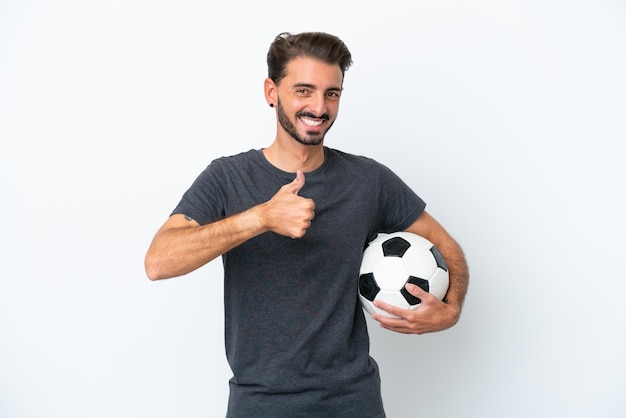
{"type": "Point", "coordinates": [311, 122]}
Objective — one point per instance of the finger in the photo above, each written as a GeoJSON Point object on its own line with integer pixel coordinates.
{"type": "Point", "coordinates": [297, 183]}
{"type": "Point", "coordinates": [425, 297]}
{"type": "Point", "coordinates": [395, 312]}
{"type": "Point", "coordinates": [415, 290]}
{"type": "Point", "coordinates": [400, 321]}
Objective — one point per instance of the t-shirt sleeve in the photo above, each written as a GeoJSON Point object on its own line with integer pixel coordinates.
{"type": "Point", "coordinates": [203, 201]}
{"type": "Point", "coordinates": [399, 205]}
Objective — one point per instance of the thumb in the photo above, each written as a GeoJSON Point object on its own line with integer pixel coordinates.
{"type": "Point", "coordinates": [415, 290]}
{"type": "Point", "coordinates": [297, 183]}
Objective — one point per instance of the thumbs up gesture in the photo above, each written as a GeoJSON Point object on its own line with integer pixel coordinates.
{"type": "Point", "coordinates": [288, 214]}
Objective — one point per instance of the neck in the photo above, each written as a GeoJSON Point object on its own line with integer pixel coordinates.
{"type": "Point", "coordinates": [293, 156]}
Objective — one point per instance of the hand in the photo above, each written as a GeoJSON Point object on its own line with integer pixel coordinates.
{"type": "Point", "coordinates": [430, 316]}
{"type": "Point", "coordinates": [288, 214]}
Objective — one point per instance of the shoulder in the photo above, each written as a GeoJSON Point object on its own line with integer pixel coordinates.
{"type": "Point", "coordinates": [336, 156]}
{"type": "Point", "coordinates": [233, 163]}
{"type": "Point", "coordinates": [360, 164]}
{"type": "Point", "coordinates": [245, 157]}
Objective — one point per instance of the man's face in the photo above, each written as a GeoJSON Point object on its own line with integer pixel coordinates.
{"type": "Point", "coordinates": [308, 99]}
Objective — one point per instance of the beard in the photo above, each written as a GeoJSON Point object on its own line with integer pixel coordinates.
{"type": "Point", "coordinates": [312, 137]}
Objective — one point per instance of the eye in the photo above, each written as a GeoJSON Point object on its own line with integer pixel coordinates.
{"type": "Point", "coordinates": [334, 95]}
{"type": "Point", "coordinates": [303, 92]}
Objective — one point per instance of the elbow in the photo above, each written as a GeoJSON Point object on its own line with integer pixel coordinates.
{"type": "Point", "coordinates": [152, 274]}
{"type": "Point", "coordinates": [157, 269]}
{"type": "Point", "coordinates": [152, 269]}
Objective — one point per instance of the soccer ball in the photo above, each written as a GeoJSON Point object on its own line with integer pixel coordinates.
{"type": "Point", "coordinates": [390, 261]}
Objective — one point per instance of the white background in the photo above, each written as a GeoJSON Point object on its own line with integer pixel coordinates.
{"type": "Point", "coordinates": [507, 117]}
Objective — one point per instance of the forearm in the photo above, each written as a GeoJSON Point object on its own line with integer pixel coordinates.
{"type": "Point", "coordinates": [180, 247]}
{"type": "Point", "coordinates": [458, 273]}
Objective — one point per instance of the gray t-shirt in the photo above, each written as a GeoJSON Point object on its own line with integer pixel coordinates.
{"type": "Point", "coordinates": [296, 336]}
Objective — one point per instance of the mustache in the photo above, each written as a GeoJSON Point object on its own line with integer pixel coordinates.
{"type": "Point", "coordinates": [312, 116]}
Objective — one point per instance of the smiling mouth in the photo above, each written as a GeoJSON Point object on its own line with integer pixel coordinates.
{"type": "Point", "coordinates": [313, 123]}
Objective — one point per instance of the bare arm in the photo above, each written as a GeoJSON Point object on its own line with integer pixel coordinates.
{"type": "Point", "coordinates": [181, 245]}
{"type": "Point", "coordinates": [429, 228]}
{"type": "Point", "coordinates": [432, 314]}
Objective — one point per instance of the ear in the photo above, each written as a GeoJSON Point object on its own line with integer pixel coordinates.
{"type": "Point", "coordinates": [271, 94]}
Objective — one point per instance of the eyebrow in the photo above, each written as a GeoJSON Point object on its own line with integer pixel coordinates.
{"type": "Point", "coordinates": [312, 86]}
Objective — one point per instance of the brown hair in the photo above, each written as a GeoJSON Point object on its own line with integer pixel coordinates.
{"type": "Point", "coordinates": [319, 45]}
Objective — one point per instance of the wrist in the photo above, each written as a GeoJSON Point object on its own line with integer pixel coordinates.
{"type": "Point", "coordinates": [454, 311]}
{"type": "Point", "coordinates": [257, 220]}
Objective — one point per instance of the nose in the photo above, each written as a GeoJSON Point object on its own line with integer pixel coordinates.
{"type": "Point", "coordinates": [317, 104]}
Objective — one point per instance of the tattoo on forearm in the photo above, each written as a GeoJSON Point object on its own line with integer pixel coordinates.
{"type": "Point", "coordinates": [188, 219]}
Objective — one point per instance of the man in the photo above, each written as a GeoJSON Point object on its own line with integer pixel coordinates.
{"type": "Point", "coordinates": [291, 222]}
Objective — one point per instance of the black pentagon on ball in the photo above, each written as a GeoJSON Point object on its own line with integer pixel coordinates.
{"type": "Point", "coordinates": [416, 281]}
{"type": "Point", "coordinates": [395, 247]}
{"type": "Point", "coordinates": [368, 287]}
{"type": "Point", "coordinates": [441, 262]}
